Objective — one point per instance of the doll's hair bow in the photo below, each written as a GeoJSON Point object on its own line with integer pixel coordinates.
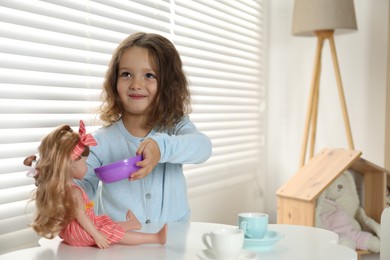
{"type": "Point", "coordinates": [31, 161]}
{"type": "Point", "coordinates": [85, 140]}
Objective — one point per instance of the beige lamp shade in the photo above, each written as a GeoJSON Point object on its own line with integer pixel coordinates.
{"type": "Point", "coordinates": [318, 15]}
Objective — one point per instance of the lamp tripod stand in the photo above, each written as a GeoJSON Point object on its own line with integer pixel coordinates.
{"type": "Point", "coordinates": [312, 111]}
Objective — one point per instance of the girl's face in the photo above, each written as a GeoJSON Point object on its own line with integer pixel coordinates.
{"type": "Point", "coordinates": [79, 168]}
{"type": "Point", "coordinates": [137, 81]}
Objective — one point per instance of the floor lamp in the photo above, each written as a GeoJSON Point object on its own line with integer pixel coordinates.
{"type": "Point", "coordinates": [323, 18]}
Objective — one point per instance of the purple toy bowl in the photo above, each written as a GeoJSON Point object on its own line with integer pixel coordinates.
{"type": "Point", "coordinates": [118, 170]}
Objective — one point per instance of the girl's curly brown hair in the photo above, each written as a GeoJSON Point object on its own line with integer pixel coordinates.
{"type": "Point", "coordinates": [54, 200]}
{"type": "Point", "coordinates": [173, 95]}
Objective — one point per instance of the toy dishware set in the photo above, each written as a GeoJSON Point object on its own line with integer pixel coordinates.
{"type": "Point", "coordinates": [252, 235]}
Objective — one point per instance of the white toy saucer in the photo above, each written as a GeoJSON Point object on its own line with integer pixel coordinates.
{"type": "Point", "coordinates": [207, 254]}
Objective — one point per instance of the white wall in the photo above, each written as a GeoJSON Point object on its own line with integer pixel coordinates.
{"type": "Point", "coordinates": [363, 63]}
{"type": "Point", "coordinates": [221, 205]}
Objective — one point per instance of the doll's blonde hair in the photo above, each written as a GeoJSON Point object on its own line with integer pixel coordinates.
{"type": "Point", "coordinates": [55, 204]}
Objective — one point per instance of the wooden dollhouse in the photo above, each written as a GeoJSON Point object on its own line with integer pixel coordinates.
{"type": "Point", "coordinates": [296, 199]}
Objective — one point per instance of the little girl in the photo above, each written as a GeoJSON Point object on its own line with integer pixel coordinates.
{"type": "Point", "coordinates": [63, 207]}
{"type": "Point", "coordinates": [145, 110]}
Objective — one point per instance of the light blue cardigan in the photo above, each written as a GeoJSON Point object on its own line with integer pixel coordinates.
{"type": "Point", "coordinates": [162, 195]}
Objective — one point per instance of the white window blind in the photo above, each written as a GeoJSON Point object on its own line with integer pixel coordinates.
{"type": "Point", "coordinates": [53, 57]}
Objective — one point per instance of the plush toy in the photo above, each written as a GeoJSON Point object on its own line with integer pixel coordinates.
{"type": "Point", "coordinates": [338, 209]}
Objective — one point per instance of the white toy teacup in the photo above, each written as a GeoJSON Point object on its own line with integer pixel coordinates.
{"type": "Point", "coordinates": [225, 243]}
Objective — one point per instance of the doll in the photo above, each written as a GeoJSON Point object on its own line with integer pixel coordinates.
{"type": "Point", "coordinates": [63, 207]}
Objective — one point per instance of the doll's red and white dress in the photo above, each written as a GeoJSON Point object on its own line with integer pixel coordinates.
{"type": "Point", "coordinates": [75, 235]}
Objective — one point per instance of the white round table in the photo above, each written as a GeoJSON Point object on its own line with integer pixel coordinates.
{"type": "Point", "coordinates": [185, 242]}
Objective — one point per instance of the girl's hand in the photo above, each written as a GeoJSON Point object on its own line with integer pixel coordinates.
{"type": "Point", "coordinates": [151, 156]}
{"type": "Point", "coordinates": [101, 241]}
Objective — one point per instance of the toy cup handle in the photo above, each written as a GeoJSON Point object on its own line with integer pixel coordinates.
{"type": "Point", "coordinates": [206, 237]}
{"type": "Point", "coordinates": [243, 226]}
